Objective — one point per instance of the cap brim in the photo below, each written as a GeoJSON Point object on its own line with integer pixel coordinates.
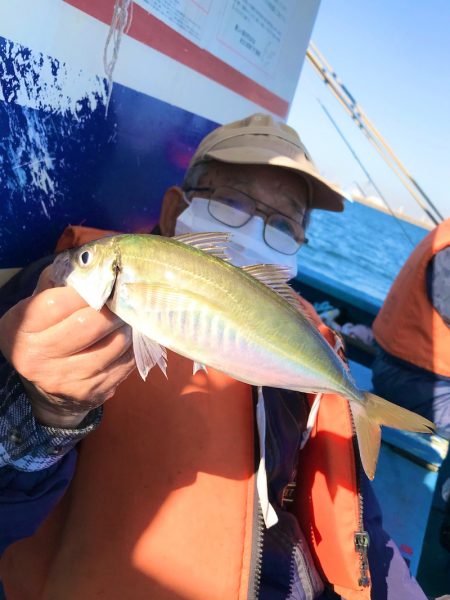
{"type": "Point", "coordinates": [325, 195]}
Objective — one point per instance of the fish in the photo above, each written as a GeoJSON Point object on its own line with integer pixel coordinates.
{"type": "Point", "coordinates": [183, 294]}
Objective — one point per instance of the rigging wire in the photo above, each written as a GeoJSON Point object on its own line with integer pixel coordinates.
{"type": "Point", "coordinates": [357, 114]}
{"type": "Point", "coordinates": [369, 177]}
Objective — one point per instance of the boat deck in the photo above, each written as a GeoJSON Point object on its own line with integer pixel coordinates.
{"type": "Point", "coordinates": [412, 467]}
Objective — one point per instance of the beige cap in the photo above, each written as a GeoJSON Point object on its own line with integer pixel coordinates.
{"type": "Point", "coordinates": [259, 140]}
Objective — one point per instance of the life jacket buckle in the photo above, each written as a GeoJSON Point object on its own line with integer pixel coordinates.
{"type": "Point", "coordinates": [288, 495]}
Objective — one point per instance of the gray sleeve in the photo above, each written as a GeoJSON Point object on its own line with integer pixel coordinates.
{"type": "Point", "coordinates": [25, 444]}
{"type": "Point", "coordinates": [438, 283]}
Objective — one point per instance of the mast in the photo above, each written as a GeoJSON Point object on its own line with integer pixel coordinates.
{"type": "Point", "coordinates": [355, 111]}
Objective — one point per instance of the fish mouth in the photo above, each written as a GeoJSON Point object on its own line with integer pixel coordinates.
{"type": "Point", "coordinates": [61, 268]}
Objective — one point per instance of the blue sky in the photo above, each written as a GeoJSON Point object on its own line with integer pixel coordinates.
{"type": "Point", "coordinates": [394, 57]}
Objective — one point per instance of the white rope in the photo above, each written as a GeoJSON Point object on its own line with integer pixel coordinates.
{"type": "Point", "coordinates": [311, 420]}
{"type": "Point", "coordinates": [120, 24]}
{"type": "Point", "coordinates": [268, 512]}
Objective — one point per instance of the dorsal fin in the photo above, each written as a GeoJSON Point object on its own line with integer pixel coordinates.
{"type": "Point", "coordinates": [276, 277]}
{"type": "Point", "coordinates": [269, 274]}
{"type": "Point", "coordinates": [214, 243]}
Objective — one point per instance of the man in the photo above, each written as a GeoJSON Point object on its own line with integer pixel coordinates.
{"type": "Point", "coordinates": [163, 503]}
{"type": "Point", "coordinates": [412, 329]}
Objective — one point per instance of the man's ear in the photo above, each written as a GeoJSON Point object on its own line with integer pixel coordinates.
{"type": "Point", "coordinates": [172, 205]}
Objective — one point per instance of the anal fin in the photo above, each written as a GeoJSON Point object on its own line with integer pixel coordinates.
{"type": "Point", "coordinates": [198, 367]}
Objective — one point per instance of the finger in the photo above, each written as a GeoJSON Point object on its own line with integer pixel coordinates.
{"type": "Point", "coordinates": [108, 350]}
{"type": "Point", "coordinates": [79, 331]}
{"type": "Point", "coordinates": [88, 363]}
{"type": "Point", "coordinates": [48, 308]}
{"type": "Point", "coordinates": [113, 376]}
{"type": "Point", "coordinates": [98, 388]}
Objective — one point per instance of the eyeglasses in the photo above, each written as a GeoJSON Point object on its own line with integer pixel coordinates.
{"type": "Point", "coordinates": [234, 208]}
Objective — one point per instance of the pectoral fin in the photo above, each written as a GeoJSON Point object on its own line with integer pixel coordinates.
{"type": "Point", "coordinates": [144, 297]}
{"type": "Point", "coordinates": [148, 296]}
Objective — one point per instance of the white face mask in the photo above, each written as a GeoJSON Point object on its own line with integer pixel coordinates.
{"type": "Point", "coordinates": [247, 245]}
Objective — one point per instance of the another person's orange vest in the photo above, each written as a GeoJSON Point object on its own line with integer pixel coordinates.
{"type": "Point", "coordinates": [408, 326]}
{"type": "Point", "coordinates": [162, 503]}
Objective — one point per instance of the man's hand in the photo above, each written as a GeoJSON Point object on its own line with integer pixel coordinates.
{"type": "Point", "coordinates": [70, 357]}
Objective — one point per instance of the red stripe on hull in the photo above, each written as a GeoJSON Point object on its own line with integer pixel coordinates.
{"type": "Point", "coordinates": [149, 30]}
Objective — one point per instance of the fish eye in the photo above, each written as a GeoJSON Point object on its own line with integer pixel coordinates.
{"type": "Point", "coordinates": [85, 258]}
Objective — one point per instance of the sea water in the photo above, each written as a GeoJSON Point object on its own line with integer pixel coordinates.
{"type": "Point", "coordinates": [362, 247]}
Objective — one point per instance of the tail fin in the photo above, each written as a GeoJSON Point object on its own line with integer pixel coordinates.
{"type": "Point", "coordinates": [386, 413]}
{"type": "Point", "coordinates": [375, 412]}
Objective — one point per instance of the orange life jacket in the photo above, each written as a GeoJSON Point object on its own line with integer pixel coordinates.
{"type": "Point", "coordinates": [408, 326]}
{"type": "Point", "coordinates": [162, 504]}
